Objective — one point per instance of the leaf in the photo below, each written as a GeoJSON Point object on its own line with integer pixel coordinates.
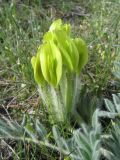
{"type": "Point", "coordinates": [57, 137]}
{"type": "Point", "coordinates": [116, 100]}
{"type": "Point", "coordinates": [41, 130]}
{"type": "Point", "coordinates": [109, 105]}
{"type": "Point", "coordinates": [24, 120]}
{"type": "Point", "coordinates": [107, 114]}
{"type": "Point", "coordinates": [106, 153]}
{"type": "Point", "coordinates": [30, 130]}
{"type": "Point", "coordinates": [95, 121]}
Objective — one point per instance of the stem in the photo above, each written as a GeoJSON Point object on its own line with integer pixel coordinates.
{"type": "Point", "coordinates": [69, 94]}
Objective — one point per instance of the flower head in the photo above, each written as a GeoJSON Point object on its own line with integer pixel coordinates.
{"type": "Point", "coordinates": [58, 50]}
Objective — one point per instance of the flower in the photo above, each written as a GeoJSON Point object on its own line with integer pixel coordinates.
{"type": "Point", "coordinates": [57, 51]}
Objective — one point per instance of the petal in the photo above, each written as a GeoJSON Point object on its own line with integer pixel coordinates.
{"type": "Point", "coordinates": [67, 28]}
{"type": "Point", "coordinates": [61, 40]}
{"type": "Point", "coordinates": [37, 70]}
{"type": "Point", "coordinates": [56, 25]}
{"type": "Point", "coordinates": [33, 60]}
{"type": "Point", "coordinates": [44, 59]}
{"type": "Point", "coordinates": [83, 53]}
{"type": "Point", "coordinates": [57, 61]}
{"type": "Point", "coordinates": [52, 66]}
{"type": "Point", "coordinates": [73, 52]}
{"type": "Point", "coordinates": [48, 36]}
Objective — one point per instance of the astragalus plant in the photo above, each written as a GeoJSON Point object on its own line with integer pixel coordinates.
{"type": "Point", "coordinates": [57, 66]}
{"type": "Point", "coordinates": [83, 144]}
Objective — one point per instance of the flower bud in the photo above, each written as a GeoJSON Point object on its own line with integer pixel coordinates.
{"type": "Point", "coordinates": [58, 50]}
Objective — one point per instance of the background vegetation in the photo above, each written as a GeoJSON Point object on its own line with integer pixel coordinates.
{"type": "Point", "coordinates": [22, 25]}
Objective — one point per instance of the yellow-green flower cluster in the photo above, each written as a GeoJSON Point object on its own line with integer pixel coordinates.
{"type": "Point", "coordinates": [57, 50]}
